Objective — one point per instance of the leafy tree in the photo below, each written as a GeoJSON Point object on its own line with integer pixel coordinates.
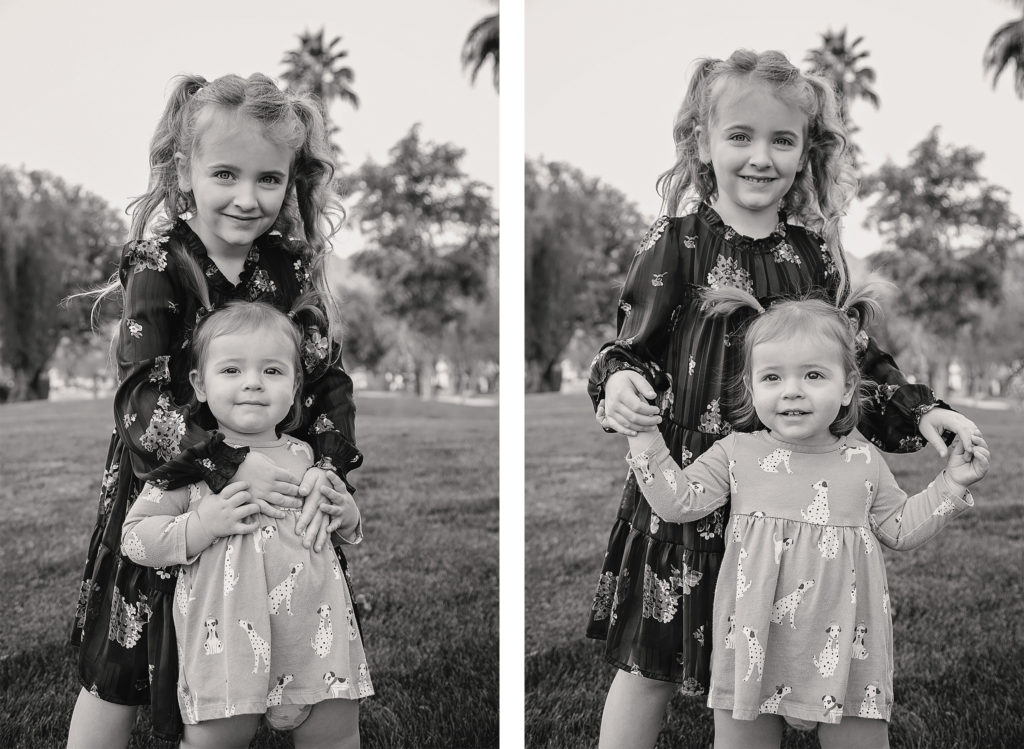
{"type": "Point", "coordinates": [315, 67]}
{"type": "Point", "coordinates": [946, 234]}
{"type": "Point", "coordinates": [482, 43]}
{"type": "Point", "coordinates": [430, 236]}
{"type": "Point", "coordinates": [1006, 47]}
{"type": "Point", "coordinates": [55, 239]}
{"type": "Point", "coordinates": [580, 234]}
{"type": "Point", "coordinates": [841, 62]}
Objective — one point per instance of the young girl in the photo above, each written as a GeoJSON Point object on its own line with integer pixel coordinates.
{"type": "Point", "coordinates": [761, 149]}
{"type": "Point", "coordinates": [801, 628]}
{"type": "Point", "coordinates": [238, 168]}
{"type": "Point", "coordinates": [264, 625]}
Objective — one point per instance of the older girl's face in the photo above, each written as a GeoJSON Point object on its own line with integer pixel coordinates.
{"type": "Point", "coordinates": [755, 145]}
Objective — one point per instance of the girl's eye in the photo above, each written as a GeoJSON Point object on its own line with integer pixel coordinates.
{"type": "Point", "coordinates": [272, 371]}
{"type": "Point", "coordinates": [770, 378]}
{"type": "Point", "coordinates": [815, 375]}
{"type": "Point", "coordinates": [271, 180]}
{"type": "Point", "coordinates": [739, 137]}
{"type": "Point", "coordinates": [785, 141]}
{"type": "Point", "coordinates": [222, 175]}
{"type": "Point", "coordinates": [230, 370]}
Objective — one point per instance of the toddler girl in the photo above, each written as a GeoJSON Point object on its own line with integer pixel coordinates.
{"type": "Point", "coordinates": [240, 175]}
{"type": "Point", "coordinates": [801, 628]}
{"type": "Point", "coordinates": [263, 623]}
{"type": "Point", "coordinates": [761, 151]}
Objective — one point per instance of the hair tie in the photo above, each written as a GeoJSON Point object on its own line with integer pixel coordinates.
{"type": "Point", "coordinates": [202, 313]}
{"type": "Point", "coordinates": [291, 315]}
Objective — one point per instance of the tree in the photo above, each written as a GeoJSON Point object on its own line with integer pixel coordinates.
{"type": "Point", "coordinates": [316, 68]}
{"type": "Point", "coordinates": [947, 234]}
{"type": "Point", "coordinates": [841, 63]}
{"type": "Point", "coordinates": [430, 236]}
{"type": "Point", "coordinates": [580, 234]}
{"type": "Point", "coordinates": [482, 43]}
{"type": "Point", "coordinates": [1006, 47]}
{"type": "Point", "coordinates": [55, 239]}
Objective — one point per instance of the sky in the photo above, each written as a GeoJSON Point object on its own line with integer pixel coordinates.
{"type": "Point", "coordinates": [603, 81]}
{"type": "Point", "coordinates": [86, 83]}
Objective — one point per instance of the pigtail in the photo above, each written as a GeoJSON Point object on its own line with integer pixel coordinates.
{"type": "Point", "coordinates": [689, 173]}
{"type": "Point", "coordinates": [864, 303]}
{"type": "Point", "coordinates": [725, 300]}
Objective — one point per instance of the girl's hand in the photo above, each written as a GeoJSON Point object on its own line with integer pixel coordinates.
{"type": "Point", "coordinates": [625, 407]}
{"type": "Point", "coordinates": [342, 508]}
{"type": "Point", "coordinates": [225, 513]}
{"type": "Point", "coordinates": [968, 468]}
{"type": "Point", "coordinates": [933, 423]}
{"type": "Point", "coordinates": [310, 520]}
{"type": "Point", "coordinates": [337, 510]}
{"type": "Point", "coordinates": [271, 486]}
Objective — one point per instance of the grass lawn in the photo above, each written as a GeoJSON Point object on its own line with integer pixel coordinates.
{"type": "Point", "coordinates": [959, 606]}
{"type": "Point", "coordinates": [428, 491]}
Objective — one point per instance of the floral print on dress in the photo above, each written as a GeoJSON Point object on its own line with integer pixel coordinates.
{"type": "Point", "coordinates": [711, 526]}
{"type": "Point", "coordinates": [690, 242]}
{"type": "Point", "coordinates": [165, 431]}
{"type": "Point", "coordinates": [660, 600]}
{"type": "Point", "coordinates": [605, 596]}
{"type": "Point", "coordinates": [161, 373]}
{"type": "Point", "coordinates": [626, 307]}
{"type": "Point", "coordinates": [148, 254]}
{"type": "Point", "coordinates": [323, 424]}
{"type": "Point", "coordinates": [698, 634]}
{"type": "Point", "coordinates": [653, 235]}
{"type": "Point", "coordinates": [712, 422]}
{"type": "Point", "coordinates": [302, 275]}
{"type": "Point", "coordinates": [727, 273]}
{"type": "Point", "coordinates": [315, 349]}
{"type": "Point", "coordinates": [261, 285]}
{"type": "Point", "coordinates": [128, 619]}
{"type": "Point", "coordinates": [830, 263]}
{"type": "Point", "coordinates": [686, 580]}
{"type": "Point", "coordinates": [784, 253]}
{"type": "Point", "coordinates": [134, 328]}
{"type": "Point", "coordinates": [691, 687]}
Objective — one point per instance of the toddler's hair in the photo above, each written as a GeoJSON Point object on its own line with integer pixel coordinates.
{"type": "Point", "coordinates": [240, 316]}
{"type": "Point", "coordinates": [822, 188]}
{"type": "Point", "coordinates": [804, 317]}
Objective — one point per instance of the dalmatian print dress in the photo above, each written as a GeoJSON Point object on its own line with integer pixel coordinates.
{"type": "Point", "coordinates": [787, 632]}
{"type": "Point", "coordinates": [261, 622]}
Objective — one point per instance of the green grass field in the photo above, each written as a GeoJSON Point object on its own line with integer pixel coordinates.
{"type": "Point", "coordinates": [959, 606]}
{"type": "Point", "coordinates": [428, 566]}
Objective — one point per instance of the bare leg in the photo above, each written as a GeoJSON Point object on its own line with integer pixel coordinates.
{"type": "Point", "coordinates": [222, 733]}
{"type": "Point", "coordinates": [854, 733]}
{"type": "Point", "coordinates": [633, 711]}
{"type": "Point", "coordinates": [98, 724]}
{"type": "Point", "coordinates": [763, 733]}
{"type": "Point", "coordinates": [333, 724]}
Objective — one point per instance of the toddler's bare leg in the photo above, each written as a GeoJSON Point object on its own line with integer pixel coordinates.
{"type": "Point", "coordinates": [633, 711]}
{"type": "Point", "coordinates": [333, 724]}
{"type": "Point", "coordinates": [222, 733]}
{"type": "Point", "coordinates": [854, 733]}
{"type": "Point", "coordinates": [763, 733]}
{"type": "Point", "coordinates": [98, 724]}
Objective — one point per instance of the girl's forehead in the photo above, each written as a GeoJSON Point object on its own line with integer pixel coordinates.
{"type": "Point", "coordinates": [732, 97]}
{"type": "Point", "coordinates": [268, 342]}
{"type": "Point", "coordinates": [221, 132]}
{"type": "Point", "coordinates": [796, 348]}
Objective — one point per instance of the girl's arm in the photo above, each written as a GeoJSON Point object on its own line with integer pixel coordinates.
{"type": "Point", "coordinates": [677, 494]}
{"type": "Point", "coordinates": [166, 444]}
{"type": "Point", "coordinates": [649, 297]}
{"type": "Point", "coordinates": [902, 522]}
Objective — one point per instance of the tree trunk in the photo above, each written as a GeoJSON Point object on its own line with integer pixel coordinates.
{"type": "Point", "coordinates": [29, 386]}
{"type": "Point", "coordinates": [938, 376]}
{"type": "Point", "coordinates": [543, 378]}
{"type": "Point", "coordinates": [425, 379]}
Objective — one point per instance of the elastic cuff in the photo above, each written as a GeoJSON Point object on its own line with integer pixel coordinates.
{"type": "Point", "coordinates": [220, 467]}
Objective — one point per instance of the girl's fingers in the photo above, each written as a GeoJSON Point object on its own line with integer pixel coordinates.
{"type": "Point", "coordinates": [232, 489]}
{"type": "Point", "coordinates": [270, 510]}
{"type": "Point", "coordinates": [285, 487]}
{"type": "Point", "coordinates": [334, 524]}
{"type": "Point", "coordinates": [931, 436]}
{"type": "Point", "coordinates": [332, 510]}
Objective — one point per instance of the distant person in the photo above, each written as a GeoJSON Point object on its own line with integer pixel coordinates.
{"type": "Point", "coordinates": [802, 626]}
{"type": "Point", "coordinates": [762, 155]}
{"type": "Point", "coordinates": [240, 176]}
{"type": "Point", "coordinates": [264, 624]}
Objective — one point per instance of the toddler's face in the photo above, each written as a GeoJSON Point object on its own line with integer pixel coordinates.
{"type": "Point", "coordinates": [239, 180]}
{"type": "Point", "coordinates": [248, 382]}
{"type": "Point", "coordinates": [798, 386]}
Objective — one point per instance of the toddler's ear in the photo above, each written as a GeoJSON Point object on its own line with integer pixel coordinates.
{"type": "Point", "coordinates": [703, 148]}
{"type": "Point", "coordinates": [197, 384]}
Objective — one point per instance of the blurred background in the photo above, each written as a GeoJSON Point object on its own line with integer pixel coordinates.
{"type": "Point", "coordinates": [411, 90]}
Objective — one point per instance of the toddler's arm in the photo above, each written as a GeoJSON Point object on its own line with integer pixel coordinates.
{"type": "Point", "coordinates": [680, 494]}
{"type": "Point", "coordinates": [902, 522]}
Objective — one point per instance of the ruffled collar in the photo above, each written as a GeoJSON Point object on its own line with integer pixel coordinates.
{"type": "Point", "coordinates": [772, 243]}
{"type": "Point", "coordinates": [213, 274]}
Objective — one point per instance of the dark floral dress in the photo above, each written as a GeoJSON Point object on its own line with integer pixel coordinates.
{"type": "Point", "coordinates": [123, 625]}
{"type": "Point", "coordinates": [654, 598]}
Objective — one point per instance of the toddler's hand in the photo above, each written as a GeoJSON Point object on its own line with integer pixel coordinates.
{"type": "Point", "coordinates": [966, 468]}
{"type": "Point", "coordinates": [933, 423]}
{"type": "Point", "coordinates": [337, 509]}
{"type": "Point", "coordinates": [224, 513]}
{"type": "Point", "coordinates": [271, 486]}
{"type": "Point", "coordinates": [626, 407]}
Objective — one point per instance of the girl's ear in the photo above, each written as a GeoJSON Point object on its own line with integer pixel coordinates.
{"type": "Point", "coordinates": [184, 173]}
{"type": "Point", "coordinates": [703, 148]}
{"type": "Point", "coordinates": [851, 388]}
{"type": "Point", "coordinates": [196, 381]}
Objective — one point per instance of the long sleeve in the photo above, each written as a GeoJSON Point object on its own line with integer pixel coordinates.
{"type": "Point", "coordinates": [166, 443]}
{"type": "Point", "coordinates": [329, 421]}
{"type": "Point", "coordinates": [902, 522]}
{"type": "Point", "coordinates": [153, 534]}
{"type": "Point", "coordinates": [681, 495]}
{"type": "Point", "coordinates": [649, 297]}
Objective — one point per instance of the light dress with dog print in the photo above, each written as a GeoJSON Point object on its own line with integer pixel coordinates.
{"type": "Point", "coordinates": [262, 623]}
{"type": "Point", "coordinates": [802, 621]}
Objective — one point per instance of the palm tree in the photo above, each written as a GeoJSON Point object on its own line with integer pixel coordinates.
{"type": "Point", "coordinates": [481, 43]}
{"type": "Point", "coordinates": [1007, 46]}
{"type": "Point", "coordinates": [841, 63]}
{"type": "Point", "coordinates": [316, 68]}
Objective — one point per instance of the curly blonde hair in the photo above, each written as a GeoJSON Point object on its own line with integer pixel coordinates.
{"type": "Point", "coordinates": [824, 185]}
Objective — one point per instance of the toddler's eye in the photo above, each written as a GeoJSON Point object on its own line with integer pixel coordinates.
{"type": "Point", "coordinates": [271, 180]}
{"type": "Point", "coordinates": [222, 175]}
{"type": "Point", "coordinates": [739, 137]}
{"type": "Point", "coordinates": [230, 370]}
{"type": "Point", "coordinates": [785, 141]}
{"type": "Point", "coordinates": [815, 375]}
{"type": "Point", "coordinates": [272, 371]}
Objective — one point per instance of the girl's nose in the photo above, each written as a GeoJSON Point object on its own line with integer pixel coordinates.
{"type": "Point", "coordinates": [253, 382]}
{"type": "Point", "coordinates": [760, 156]}
{"type": "Point", "coordinates": [245, 196]}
